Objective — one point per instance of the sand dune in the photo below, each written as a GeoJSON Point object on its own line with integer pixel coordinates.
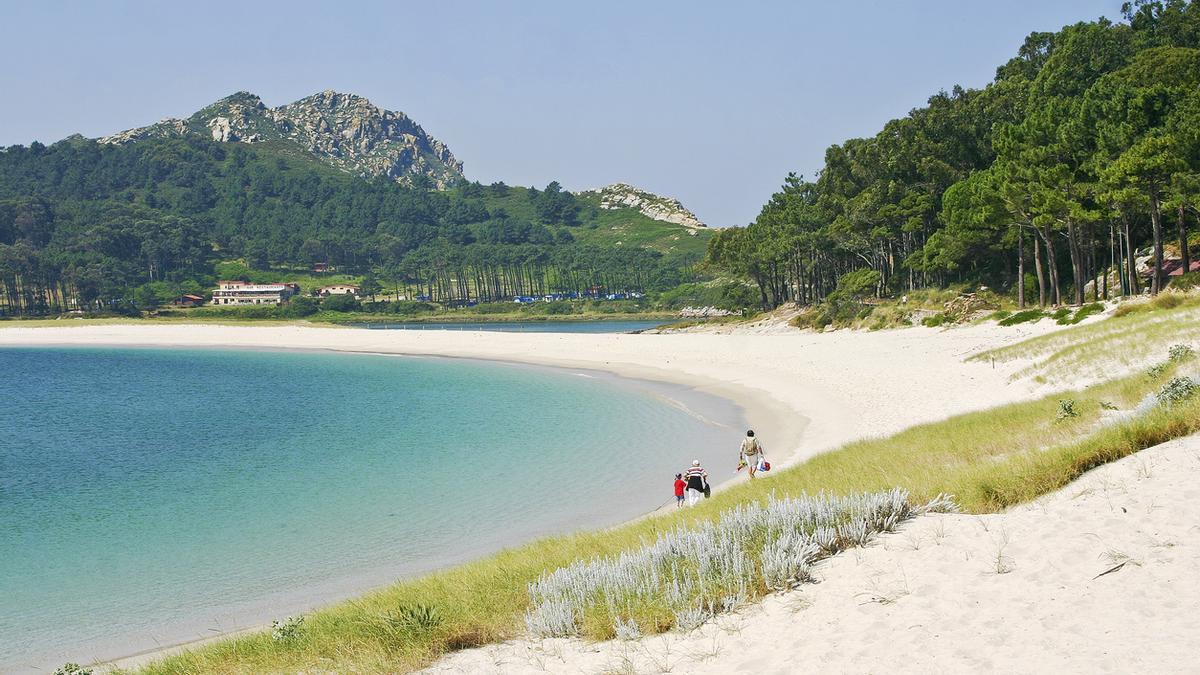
{"type": "Point", "coordinates": [1098, 577]}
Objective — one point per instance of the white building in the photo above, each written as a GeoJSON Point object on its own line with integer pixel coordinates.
{"type": "Point", "coordinates": [243, 293]}
{"type": "Point", "coordinates": [338, 289]}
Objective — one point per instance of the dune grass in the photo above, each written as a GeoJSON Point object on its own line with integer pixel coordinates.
{"type": "Point", "coordinates": [988, 460]}
{"type": "Point", "coordinates": [1136, 335]}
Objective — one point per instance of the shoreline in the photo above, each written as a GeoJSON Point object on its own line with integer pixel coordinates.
{"type": "Point", "coordinates": [755, 382]}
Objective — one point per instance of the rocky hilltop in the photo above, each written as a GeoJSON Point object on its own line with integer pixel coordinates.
{"type": "Point", "coordinates": [625, 196]}
{"type": "Point", "coordinates": [346, 130]}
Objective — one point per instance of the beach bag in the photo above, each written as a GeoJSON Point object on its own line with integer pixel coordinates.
{"type": "Point", "coordinates": [764, 465]}
{"type": "Point", "coordinates": [707, 490]}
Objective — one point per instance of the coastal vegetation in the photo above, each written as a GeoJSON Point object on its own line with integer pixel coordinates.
{"type": "Point", "coordinates": [127, 228]}
{"type": "Point", "coordinates": [987, 460]}
{"type": "Point", "coordinates": [1067, 177]}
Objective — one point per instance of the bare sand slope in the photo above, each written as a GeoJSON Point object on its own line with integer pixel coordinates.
{"type": "Point", "coordinates": [1022, 591]}
{"type": "Point", "coordinates": [805, 392]}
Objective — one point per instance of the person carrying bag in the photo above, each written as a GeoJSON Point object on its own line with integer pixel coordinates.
{"type": "Point", "coordinates": [752, 456]}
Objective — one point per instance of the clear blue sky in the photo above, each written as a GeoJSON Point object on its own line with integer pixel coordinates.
{"type": "Point", "coordinates": [709, 102]}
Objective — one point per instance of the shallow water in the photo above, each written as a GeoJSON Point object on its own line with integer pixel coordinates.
{"type": "Point", "coordinates": [149, 497]}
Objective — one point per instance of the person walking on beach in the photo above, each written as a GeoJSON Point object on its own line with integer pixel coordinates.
{"type": "Point", "coordinates": [751, 452]}
{"type": "Point", "coordinates": [680, 486]}
{"type": "Point", "coordinates": [697, 482]}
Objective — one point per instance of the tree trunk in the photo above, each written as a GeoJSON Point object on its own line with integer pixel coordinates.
{"type": "Point", "coordinates": [1052, 266]}
{"type": "Point", "coordinates": [1184, 256]}
{"type": "Point", "coordinates": [1041, 276]}
{"type": "Point", "coordinates": [1156, 284]}
{"type": "Point", "coordinates": [1076, 255]}
{"type": "Point", "coordinates": [1130, 259]}
{"type": "Point", "coordinates": [1021, 266]}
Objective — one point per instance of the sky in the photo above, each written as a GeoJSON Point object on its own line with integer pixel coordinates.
{"type": "Point", "coordinates": [709, 102]}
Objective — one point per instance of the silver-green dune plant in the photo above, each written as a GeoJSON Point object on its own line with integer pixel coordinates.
{"type": "Point", "coordinates": [692, 574]}
{"type": "Point", "coordinates": [72, 669]}
{"type": "Point", "coordinates": [1179, 353]}
{"type": "Point", "coordinates": [1176, 391]}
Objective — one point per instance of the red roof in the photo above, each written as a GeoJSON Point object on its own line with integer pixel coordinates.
{"type": "Point", "coordinates": [1174, 267]}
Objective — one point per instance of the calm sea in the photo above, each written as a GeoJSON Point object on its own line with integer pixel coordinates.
{"type": "Point", "coordinates": [149, 497]}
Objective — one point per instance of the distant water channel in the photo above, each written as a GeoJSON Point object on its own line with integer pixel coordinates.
{"type": "Point", "coordinates": [150, 497]}
{"type": "Point", "coordinates": [524, 326]}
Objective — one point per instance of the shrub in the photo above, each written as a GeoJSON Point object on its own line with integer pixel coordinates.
{"type": "Point", "coordinates": [1156, 371]}
{"type": "Point", "coordinates": [1129, 307]}
{"type": "Point", "coordinates": [688, 575]}
{"type": "Point", "coordinates": [1167, 301]}
{"type": "Point", "coordinates": [1186, 282]}
{"type": "Point", "coordinates": [1176, 391]}
{"type": "Point", "coordinates": [340, 303]}
{"type": "Point", "coordinates": [299, 307]}
{"type": "Point", "coordinates": [731, 295]}
{"type": "Point", "coordinates": [1080, 314]}
{"type": "Point", "coordinates": [1178, 353]}
{"type": "Point", "coordinates": [1066, 409]}
{"type": "Point", "coordinates": [1023, 316]}
{"type": "Point", "coordinates": [859, 283]}
{"type": "Point", "coordinates": [420, 617]}
{"type": "Point", "coordinates": [72, 669]}
{"type": "Point", "coordinates": [288, 629]}
{"type": "Point", "coordinates": [934, 320]}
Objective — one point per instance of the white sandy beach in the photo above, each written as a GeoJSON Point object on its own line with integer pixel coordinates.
{"type": "Point", "coordinates": [932, 583]}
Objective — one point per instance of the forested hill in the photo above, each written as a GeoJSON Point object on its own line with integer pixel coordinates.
{"type": "Point", "coordinates": [1085, 148]}
{"type": "Point", "coordinates": [98, 225]}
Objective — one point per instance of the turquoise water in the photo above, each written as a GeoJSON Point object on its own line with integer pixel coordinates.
{"type": "Point", "coordinates": [523, 326]}
{"type": "Point", "coordinates": [149, 497]}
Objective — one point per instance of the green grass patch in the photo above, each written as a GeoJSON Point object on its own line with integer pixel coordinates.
{"type": "Point", "coordinates": [1023, 316]}
{"type": "Point", "coordinates": [1137, 334]}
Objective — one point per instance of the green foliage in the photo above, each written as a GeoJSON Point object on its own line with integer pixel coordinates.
{"type": "Point", "coordinates": [1176, 391]}
{"type": "Point", "coordinates": [418, 617]}
{"type": "Point", "coordinates": [859, 283]}
{"type": "Point", "coordinates": [1023, 316]}
{"type": "Point", "coordinates": [1066, 409]}
{"type": "Point", "coordinates": [287, 630]}
{"type": "Point", "coordinates": [730, 295]}
{"type": "Point", "coordinates": [300, 307]}
{"type": "Point", "coordinates": [340, 303]}
{"type": "Point", "coordinates": [1186, 282]}
{"type": "Point", "coordinates": [72, 669]}
{"type": "Point", "coordinates": [1181, 352]}
{"type": "Point", "coordinates": [1088, 133]}
{"type": "Point", "coordinates": [1064, 316]}
{"type": "Point", "coordinates": [934, 320]}
{"type": "Point", "coordinates": [84, 224]}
